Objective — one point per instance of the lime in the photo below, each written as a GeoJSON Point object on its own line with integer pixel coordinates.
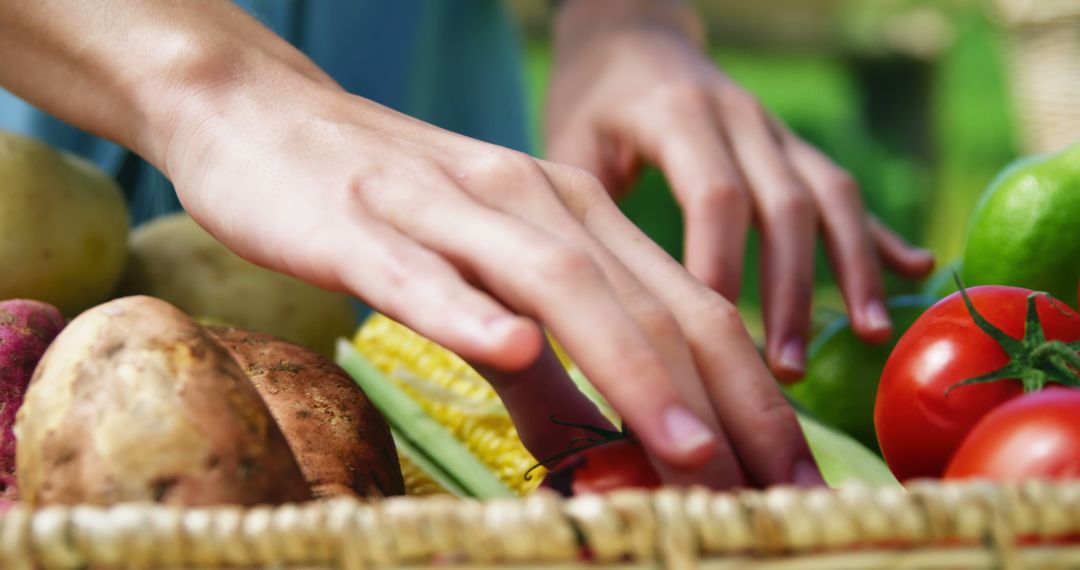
{"type": "Point", "coordinates": [1025, 230]}
{"type": "Point", "coordinates": [843, 372]}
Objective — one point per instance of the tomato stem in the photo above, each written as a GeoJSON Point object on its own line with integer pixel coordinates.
{"type": "Point", "coordinates": [579, 444]}
{"type": "Point", "coordinates": [1032, 359]}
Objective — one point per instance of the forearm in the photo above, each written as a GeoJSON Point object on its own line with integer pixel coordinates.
{"type": "Point", "coordinates": [133, 70]}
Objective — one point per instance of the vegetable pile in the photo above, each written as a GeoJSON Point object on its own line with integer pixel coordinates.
{"type": "Point", "coordinates": [157, 395]}
{"type": "Point", "coordinates": [135, 401]}
{"type": "Point", "coordinates": [453, 433]}
{"type": "Point", "coordinates": [967, 355]}
{"type": "Point", "coordinates": [983, 383]}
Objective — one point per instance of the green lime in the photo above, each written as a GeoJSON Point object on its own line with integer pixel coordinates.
{"type": "Point", "coordinates": [843, 372]}
{"type": "Point", "coordinates": [1025, 230]}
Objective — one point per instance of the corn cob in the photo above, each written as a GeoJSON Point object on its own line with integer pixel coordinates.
{"type": "Point", "coordinates": [417, 482]}
{"type": "Point", "coordinates": [452, 393]}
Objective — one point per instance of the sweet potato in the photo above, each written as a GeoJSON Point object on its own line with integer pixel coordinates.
{"type": "Point", "coordinates": [342, 443]}
{"type": "Point", "coordinates": [26, 329]}
{"type": "Point", "coordinates": [134, 401]}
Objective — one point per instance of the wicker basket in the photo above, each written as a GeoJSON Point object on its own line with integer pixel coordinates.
{"type": "Point", "coordinates": [1043, 48]}
{"type": "Point", "coordinates": [929, 525]}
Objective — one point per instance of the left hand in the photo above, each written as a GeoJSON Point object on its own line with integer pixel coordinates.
{"type": "Point", "coordinates": [632, 85]}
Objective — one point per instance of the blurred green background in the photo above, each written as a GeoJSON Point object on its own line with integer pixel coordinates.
{"type": "Point", "coordinates": [911, 96]}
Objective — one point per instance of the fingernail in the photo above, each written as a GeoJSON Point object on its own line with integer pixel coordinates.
{"type": "Point", "coordinates": [500, 326]}
{"type": "Point", "coordinates": [877, 317]}
{"type": "Point", "coordinates": [687, 433]}
{"type": "Point", "coordinates": [807, 474]}
{"type": "Point", "coordinates": [793, 355]}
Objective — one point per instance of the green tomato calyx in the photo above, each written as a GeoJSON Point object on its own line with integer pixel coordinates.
{"type": "Point", "coordinates": [1033, 360]}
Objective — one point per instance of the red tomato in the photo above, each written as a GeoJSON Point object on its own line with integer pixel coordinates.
{"type": "Point", "coordinates": [918, 424]}
{"type": "Point", "coordinates": [1036, 436]}
{"type": "Point", "coordinates": [615, 465]}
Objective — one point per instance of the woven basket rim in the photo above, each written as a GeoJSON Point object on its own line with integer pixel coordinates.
{"type": "Point", "coordinates": [975, 524]}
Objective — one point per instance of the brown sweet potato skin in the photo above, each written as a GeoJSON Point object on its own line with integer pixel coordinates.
{"type": "Point", "coordinates": [134, 401]}
{"type": "Point", "coordinates": [341, 441]}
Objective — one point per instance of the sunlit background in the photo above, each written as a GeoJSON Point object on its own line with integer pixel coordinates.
{"type": "Point", "coordinates": [924, 101]}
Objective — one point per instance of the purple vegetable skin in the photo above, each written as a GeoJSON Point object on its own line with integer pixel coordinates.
{"type": "Point", "coordinates": [26, 329]}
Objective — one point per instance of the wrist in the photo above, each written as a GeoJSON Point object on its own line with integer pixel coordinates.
{"type": "Point", "coordinates": [210, 85]}
{"type": "Point", "coordinates": [580, 22]}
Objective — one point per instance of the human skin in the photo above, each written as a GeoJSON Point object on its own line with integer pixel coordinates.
{"type": "Point", "coordinates": [632, 85]}
{"type": "Point", "coordinates": [473, 245]}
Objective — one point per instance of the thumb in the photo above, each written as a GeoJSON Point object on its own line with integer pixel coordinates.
{"type": "Point", "coordinates": [540, 392]}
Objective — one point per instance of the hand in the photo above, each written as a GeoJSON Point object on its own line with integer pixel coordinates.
{"type": "Point", "coordinates": [630, 85]}
{"type": "Point", "coordinates": [470, 244]}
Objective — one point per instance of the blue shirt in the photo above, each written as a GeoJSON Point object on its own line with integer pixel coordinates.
{"type": "Point", "coordinates": [453, 63]}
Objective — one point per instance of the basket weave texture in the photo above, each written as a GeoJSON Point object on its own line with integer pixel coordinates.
{"type": "Point", "coordinates": [929, 525]}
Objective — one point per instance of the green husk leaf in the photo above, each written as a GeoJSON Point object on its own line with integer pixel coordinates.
{"type": "Point", "coordinates": [429, 467]}
{"type": "Point", "coordinates": [426, 435]}
{"type": "Point", "coordinates": [842, 460]}
{"type": "Point", "coordinates": [594, 395]}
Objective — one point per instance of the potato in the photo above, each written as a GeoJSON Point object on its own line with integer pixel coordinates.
{"type": "Point", "coordinates": [174, 259]}
{"type": "Point", "coordinates": [134, 401]}
{"type": "Point", "coordinates": [63, 227]}
{"type": "Point", "coordinates": [26, 329]}
{"type": "Point", "coordinates": [341, 441]}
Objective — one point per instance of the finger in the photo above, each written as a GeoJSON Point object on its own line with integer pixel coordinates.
{"type": "Point", "coordinates": [787, 222]}
{"type": "Point", "coordinates": [909, 261]}
{"type": "Point", "coordinates": [761, 426]}
{"type": "Point", "coordinates": [545, 405]}
{"type": "Point", "coordinates": [560, 284]}
{"type": "Point", "coordinates": [847, 239]}
{"type": "Point", "coordinates": [585, 147]}
{"type": "Point", "coordinates": [654, 319]}
{"type": "Point", "coordinates": [414, 286]}
{"type": "Point", "coordinates": [692, 152]}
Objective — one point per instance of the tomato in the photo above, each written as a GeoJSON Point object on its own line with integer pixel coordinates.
{"type": "Point", "coordinates": [1035, 436]}
{"type": "Point", "coordinates": [919, 424]}
{"type": "Point", "coordinates": [617, 464]}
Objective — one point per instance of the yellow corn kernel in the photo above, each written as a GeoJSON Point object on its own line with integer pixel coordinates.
{"type": "Point", "coordinates": [417, 482]}
{"type": "Point", "coordinates": [452, 393]}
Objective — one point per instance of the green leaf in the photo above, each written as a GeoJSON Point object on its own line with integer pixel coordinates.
{"type": "Point", "coordinates": [426, 436]}
{"type": "Point", "coordinates": [843, 460]}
